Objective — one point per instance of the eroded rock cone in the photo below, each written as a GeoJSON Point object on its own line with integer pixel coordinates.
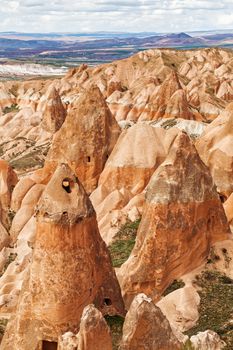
{"type": "Point", "coordinates": [86, 138]}
{"type": "Point", "coordinates": [182, 217]}
{"type": "Point", "coordinates": [70, 268]}
{"type": "Point", "coordinates": [53, 112]}
{"type": "Point", "coordinates": [215, 147]}
{"type": "Point", "coordinates": [8, 180]}
{"type": "Point", "coordinates": [170, 85]}
{"type": "Point", "coordinates": [208, 340]}
{"type": "Point", "coordinates": [94, 333]}
{"type": "Point", "coordinates": [146, 327]}
{"type": "Point", "coordinates": [178, 107]}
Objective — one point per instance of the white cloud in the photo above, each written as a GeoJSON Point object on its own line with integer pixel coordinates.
{"type": "Point", "coordinates": [118, 15]}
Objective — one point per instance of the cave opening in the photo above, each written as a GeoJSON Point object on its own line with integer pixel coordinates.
{"type": "Point", "coordinates": [67, 184]}
{"type": "Point", "coordinates": [107, 302]}
{"type": "Point", "coordinates": [49, 345]}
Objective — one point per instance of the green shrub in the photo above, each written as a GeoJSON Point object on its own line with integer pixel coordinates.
{"type": "Point", "coordinates": [3, 324]}
{"type": "Point", "coordinates": [13, 108]}
{"type": "Point", "coordinates": [169, 123]}
{"type": "Point", "coordinates": [123, 243]}
{"type": "Point", "coordinates": [115, 324]}
{"type": "Point", "coordinates": [216, 305]}
{"type": "Point", "coordinates": [176, 284]}
{"type": "Point", "coordinates": [9, 260]}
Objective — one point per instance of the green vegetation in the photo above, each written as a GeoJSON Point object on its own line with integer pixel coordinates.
{"type": "Point", "coordinates": [13, 108]}
{"type": "Point", "coordinates": [176, 284]}
{"type": "Point", "coordinates": [123, 243]}
{"type": "Point", "coordinates": [33, 159]}
{"type": "Point", "coordinates": [3, 324]}
{"type": "Point", "coordinates": [188, 345]}
{"type": "Point", "coordinates": [28, 161]}
{"type": "Point", "coordinates": [216, 306]}
{"type": "Point", "coordinates": [169, 123]}
{"type": "Point", "coordinates": [9, 260]}
{"type": "Point", "coordinates": [115, 324]}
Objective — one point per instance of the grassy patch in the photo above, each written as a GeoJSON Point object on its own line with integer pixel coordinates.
{"type": "Point", "coordinates": [3, 324]}
{"type": "Point", "coordinates": [123, 243]}
{"type": "Point", "coordinates": [176, 284]}
{"type": "Point", "coordinates": [169, 124]}
{"type": "Point", "coordinates": [9, 260]}
{"type": "Point", "coordinates": [13, 108]}
{"type": "Point", "coordinates": [115, 324]}
{"type": "Point", "coordinates": [188, 345]}
{"type": "Point", "coordinates": [27, 162]}
{"type": "Point", "coordinates": [216, 306]}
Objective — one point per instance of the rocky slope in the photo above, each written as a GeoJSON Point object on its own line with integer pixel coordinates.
{"type": "Point", "coordinates": [132, 158]}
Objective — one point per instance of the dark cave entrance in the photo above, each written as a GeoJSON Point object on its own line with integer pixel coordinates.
{"type": "Point", "coordinates": [49, 345]}
{"type": "Point", "coordinates": [67, 184]}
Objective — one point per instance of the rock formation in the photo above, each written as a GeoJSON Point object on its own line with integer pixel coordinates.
{"type": "Point", "coordinates": [94, 333]}
{"type": "Point", "coordinates": [70, 268]}
{"type": "Point", "coordinates": [181, 308]}
{"type": "Point", "coordinates": [207, 340]}
{"type": "Point", "coordinates": [8, 180]}
{"type": "Point", "coordinates": [146, 327]}
{"type": "Point", "coordinates": [137, 153]}
{"type": "Point", "coordinates": [53, 112]}
{"type": "Point", "coordinates": [116, 126]}
{"type": "Point", "coordinates": [183, 216]}
{"type": "Point", "coordinates": [228, 207]}
{"type": "Point", "coordinates": [215, 148]}
{"type": "Point", "coordinates": [86, 138]}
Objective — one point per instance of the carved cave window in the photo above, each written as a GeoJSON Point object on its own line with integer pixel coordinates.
{"type": "Point", "coordinates": [107, 302]}
{"type": "Point", "coordinates": [49, 345]}
{"type": "Point", "coordinates": [223, 198]}
{"type": "Point", "coordinates": [67, 184]}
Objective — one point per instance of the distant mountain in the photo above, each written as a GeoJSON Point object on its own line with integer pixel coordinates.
{"type": "Point", "coordinates": [72, 48]}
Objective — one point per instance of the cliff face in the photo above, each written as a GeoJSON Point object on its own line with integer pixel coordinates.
{"type": "Point", "coordinates": [8, 180]}
{"type": "Point", "coordinates": [70, 268]}
{"type": "Point", "coordinates": [215, 147]}
{"type": "Point", "coordinates": [183, 216]}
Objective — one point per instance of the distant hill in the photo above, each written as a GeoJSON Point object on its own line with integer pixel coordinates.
{"type": "Point", "coordinates": [73, 48]}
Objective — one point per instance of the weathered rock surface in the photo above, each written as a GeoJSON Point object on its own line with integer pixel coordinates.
{"type": "Point", "coordinates": [215, 148]}
{"type": "Point", "coordinates": [146, 327]}
{"type": "Point", "coordinates": [94, 333]}
{"type": "Point", "coordinates": [183, 216]}
{"type": "Point", "coordinates": [86, 138]}
{"type": "Point", "coordinates": [137, 153]}
{"type": "Point", "coordinates": [181, 308]}
{"type": "Point", "coordinates": [228, 207]}
{"type": "Point", "coordinates": [8, 180]}
{"type": "Point", "coordinates": [70, 268]}
{"type": "Point", "coordinates": [53, 111]}
{"type": "Point", "coordinates": [207, 340]}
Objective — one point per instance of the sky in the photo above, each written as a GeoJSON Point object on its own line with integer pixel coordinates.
{"type": "Point", "coordinates": [118, 16]}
